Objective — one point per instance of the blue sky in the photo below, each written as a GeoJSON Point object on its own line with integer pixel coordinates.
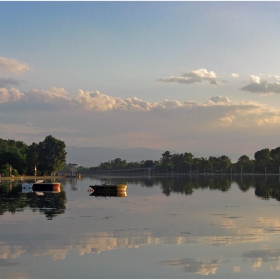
{"type": "Point", "coordinates": [201, 77]}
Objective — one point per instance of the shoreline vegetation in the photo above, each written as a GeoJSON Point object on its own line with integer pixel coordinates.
{"type": "Point", "coordinates": [168, 174]}
{"type": "Point", "coordinates": [265, 162]}
{"type": "Point", "coordinates": [30, 177]}
{"type": "Point", "coordinates": [47, 158]}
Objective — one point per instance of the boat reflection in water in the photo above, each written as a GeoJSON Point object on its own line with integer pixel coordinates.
{"type": "Point", "coordinates": [48, 202]}
{"type": "Point", "coordinates": [47, 198]}
{"type": "Point", "coordinates": [107, 190]}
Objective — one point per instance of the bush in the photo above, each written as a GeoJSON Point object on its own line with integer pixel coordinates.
{"type": "Point", "coordinates": [15, 172]}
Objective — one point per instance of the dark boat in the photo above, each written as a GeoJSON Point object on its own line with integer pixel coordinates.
{"type": "Point", "coordinates": [105, 189]}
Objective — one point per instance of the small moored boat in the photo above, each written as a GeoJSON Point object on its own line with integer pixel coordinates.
{"type": "Point", "coordinates": [40, 186]}
{"type": "Point", "coordinates": [105, 189]}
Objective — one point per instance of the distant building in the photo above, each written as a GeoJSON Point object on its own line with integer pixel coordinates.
{"type": "Point", "coordinates": [73, 169]}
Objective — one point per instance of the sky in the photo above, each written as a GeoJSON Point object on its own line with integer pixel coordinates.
{"type": "Point", "coordinates": [199, 77]}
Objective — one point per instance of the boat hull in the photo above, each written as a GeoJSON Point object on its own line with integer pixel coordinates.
{"type": "Point", "coordinates": [46, 187]}
{"type": "Point", "coordinates": [108, 190]}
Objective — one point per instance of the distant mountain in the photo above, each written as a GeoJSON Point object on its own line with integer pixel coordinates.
{"type": "Point", "coordinates": [93, 156]}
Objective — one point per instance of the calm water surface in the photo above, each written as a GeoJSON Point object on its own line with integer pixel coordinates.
{"type": "Point", "coordinates": [166, 227]}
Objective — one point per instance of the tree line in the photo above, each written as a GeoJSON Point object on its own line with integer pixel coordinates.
{"type": "Point", "coordinates": [43, 158]}
{"type": "Point", "coordinates": [265, 161]}
{"type": "Point", "coordinates": [49, 156]}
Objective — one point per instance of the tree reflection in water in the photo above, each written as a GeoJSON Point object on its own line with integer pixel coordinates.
{"type": "Point", "coordinates": [53, 204]}
{"type": "Point", "coordinates": [12, 200]}
{"type": "Point", "coordinates": [266, 187]}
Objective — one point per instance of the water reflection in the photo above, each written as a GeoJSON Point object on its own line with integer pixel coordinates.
{"type": "Point", "coordinates": [265, 186]}
{"type": "Point", "coordinates": [259, 257]}
{"type": "Point", "coordinates": [208, 226]}
{"type": "Point", "coordinates": [195, 266]}
{"type": "Point", "coordinates": [73, 183]}
{"type": "Point", "coordinates": [104, 242]}
{"type": "Point", "coordinates": [108, 194]}
{"type": "Point", "coordinates": [13, 200]}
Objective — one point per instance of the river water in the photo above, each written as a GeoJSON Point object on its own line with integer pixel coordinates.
{"type": "Point", "coordinates": [166, 227]}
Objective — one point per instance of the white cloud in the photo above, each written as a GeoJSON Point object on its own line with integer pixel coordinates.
{"type": "Point", "coordinates": [53, 95]}
{"type": "Point", "coordinates": [171, 104]}
{"type": "Point", "coordinates": [274, 77]}
{"type": "Point", "coordinates": [13, 66]}
{"type": "Point", "coordinates": [255, 79]}
{"type": "Point", "coordinates": [195, 76]}
{"type": "Point", "coordinates": [95, 100]}
{"type": "Point", "coordinates": [11, 94]}
{"type": "Point", "coordinates": [235, 75]}
{"type": "Point", "coordinates": [219, 100]}
{"type": "Point", "coordinates": [257, 85]}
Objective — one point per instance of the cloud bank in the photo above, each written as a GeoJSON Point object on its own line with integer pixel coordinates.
{"type": "Point", "coordinates": [91, 118]}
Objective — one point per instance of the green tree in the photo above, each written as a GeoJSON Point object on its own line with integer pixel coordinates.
{"type": "Point", "coordinates": [165, 162]}
{"type": "Point", "coordinates": [51, 155]}
{"type": "Point", "coordinates": [215, 162]}
{"type": "Point", "coordinates": [5, 169]}
{"type": "Point", "coordinates": [14, 159]}
{"type": "Point", "coordinates": [275, 159]}
{"type": "Point", "coordinates": [118, 163]}
{"type": "Point", "coordinates": [3, 146]}
{"type": "Point", "coordinates": [225, 162]}
{"type": "Point", "coordinates": [262, 159]}
{"type": "Point", "coordinates": [197, 164]}
{"type": "Point", "coordinates": [131, 165]}
{"type": "Point", "coordinates": [245, 163]}
{"type": "Point", "coordinates": [206, 165]}
{"type": "Point", "coordinates": [166, 156]}
{"type": "Point", "coordinates": [188, 157]}
{"type": "Point", "coordinates": [32, 158]}
{"type": "Point", "coordinates": [177, 160]}
{"type": "Point", "coordinates": [148, 163]}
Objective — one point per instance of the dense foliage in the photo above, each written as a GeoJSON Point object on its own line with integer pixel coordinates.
{"type": "Point", "coordinates": [265, 161]}
{"type": "Point", "coordinates": [17, 157]}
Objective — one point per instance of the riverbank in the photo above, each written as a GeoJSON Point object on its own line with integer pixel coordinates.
{"type": "Point", "coordinates": [31, 177]}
